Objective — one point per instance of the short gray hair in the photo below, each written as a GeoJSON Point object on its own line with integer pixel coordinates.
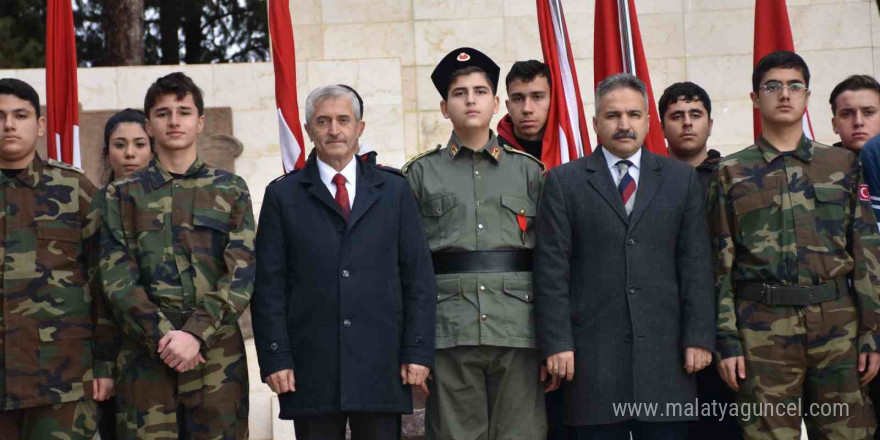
{"type": "Point", "coordinates": [620, 81]}
{"type": "Point", "coordinates": [324, 93]}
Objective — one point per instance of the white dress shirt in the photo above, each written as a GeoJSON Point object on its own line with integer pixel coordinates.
{"type": "Point", "coordinates": [349, 172]}
{"type": "Point", "coordinates": [612, 160]}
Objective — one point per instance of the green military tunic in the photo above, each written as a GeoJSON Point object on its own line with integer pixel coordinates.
{"type": "Point", "coordinates": [469, 201]}
{"type": "Point", "coordinates": [796, 219]}
{"type": "Point", "coordinates": [172, 246]}
{"type": "Point", "coordinates": [482, 200]}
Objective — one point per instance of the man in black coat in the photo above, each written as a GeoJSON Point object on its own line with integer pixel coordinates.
{"type": "Point", "coordinates": [344, 300]}
{"type": "Point", "coordinates": [623, 279]}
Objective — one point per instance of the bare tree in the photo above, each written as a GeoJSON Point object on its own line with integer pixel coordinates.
{"type": "Point", "coordinates": [124, 32]}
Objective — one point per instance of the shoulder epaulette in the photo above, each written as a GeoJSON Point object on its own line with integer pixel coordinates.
{"type": "Point", "coordinates": [56, 164]}
{"type": "Point", "coordinates": [391, 170]}
{"type": "Point", "coordinates": [514, 150]}
{"type": "Point", "coordinates": [281, 177]}
{"type": "Point", "coordinates": [405, 167]}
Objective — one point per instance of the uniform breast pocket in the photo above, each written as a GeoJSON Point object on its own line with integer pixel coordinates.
{"type": "Point", "coordinates": [440, 219]}
{"type": "Point", "coordinates": [758, 221]}
{"type": "Point", "coordinates": [58, 244]}
{"type": "Point", "coordinates": [518, 212]}
{"type": "Point", "coordinates": [143, 233]}
{"type": "Point", "coordinates": [830, 209]}
{"type": "Point", "coordinates": [211, 232]}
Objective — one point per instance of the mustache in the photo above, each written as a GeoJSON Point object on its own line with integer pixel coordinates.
{"type": "Point", "coordinates": [624, 134]}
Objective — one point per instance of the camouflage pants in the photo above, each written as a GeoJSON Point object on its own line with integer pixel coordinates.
{"type": "Point", "coordinates": [802, 362]}
{"type": "Point", "coordinates": [155, 402]}
{"type": "Point", "coordinates": [70, 420]}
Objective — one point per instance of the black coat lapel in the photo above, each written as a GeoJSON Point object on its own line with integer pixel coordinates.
{"type": "Point", "coordinates": [368, 181]}
{"type": "Point", "coordinates": [600, 178]}
{"type": "Point", "coordinates": [648, 185]}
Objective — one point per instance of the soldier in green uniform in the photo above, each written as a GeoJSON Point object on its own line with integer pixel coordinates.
{"type": "Point", "coordinates": [478, 202]}
{"type": "Point", "coordinates": [797, 272]}
{"type": "Point", "coordinates": [56, 334]}
{"type": "Point", "coordinates": [177, 264]}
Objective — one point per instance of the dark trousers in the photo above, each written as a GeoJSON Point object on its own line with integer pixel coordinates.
{"type": "Point", "coordinates": [554, 402]}
{"type": "Point", "coordinates": [364, 426]}
{"type": "Point", "coordinates": [710, 388]}
{"type": "Point", "coordinates": [107, 422]}
{"type": "Point", "coordinates": [874, 394]}
{"type": "Point", "coordinates": [639, 431]}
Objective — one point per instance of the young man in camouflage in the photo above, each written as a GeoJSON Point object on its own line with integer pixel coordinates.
{"type": "Point", "coordinates": [797, 276]}
{"type": "Point", "coordinates": [56, 335]}
{"type": "Point", "coordinates": [177, 264]}
{"type": "Point", "coordinates": [478, 202]}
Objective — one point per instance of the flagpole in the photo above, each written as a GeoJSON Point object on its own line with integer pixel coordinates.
{"type": "Point", "coordinates": [626, 46]}
{"type": "Point", "coordinates": [568, 88]}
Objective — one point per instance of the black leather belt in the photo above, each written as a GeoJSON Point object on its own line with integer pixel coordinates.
{"type": "Point", "coordinates": [177, 317]}
{"type": "Point", "coordinates": [482, 261]}
{"type": "Point", "coordinates": [779, 295]}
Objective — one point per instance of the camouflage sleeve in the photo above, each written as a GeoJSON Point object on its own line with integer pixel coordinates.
{"type": "Point", "coordinates": [119, 274]}
{"type": "Point", "coordinates": [727, 341]}
{"type": "Point", "coordinates": [223, 306]}
{"type": "Point", "coordinates": [106, 340]}
{"type": "Point", "coordinates": [864, 241]}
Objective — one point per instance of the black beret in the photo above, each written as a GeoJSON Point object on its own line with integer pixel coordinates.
{"type": "Point", "coordinates": [459, 59]}
{"type": "Point", "coordinates": [356, 95]}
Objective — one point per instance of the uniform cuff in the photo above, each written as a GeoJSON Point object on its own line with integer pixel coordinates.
{"type": "Point", "coordinates": [868, 342]}
{"type": "Point", "coordinates": [728, 348]}
{"type": "Point", "coordinates": [104, 369]}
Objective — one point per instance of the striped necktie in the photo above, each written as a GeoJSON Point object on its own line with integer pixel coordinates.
{"type": "Point", "coordinates": [626, 186]}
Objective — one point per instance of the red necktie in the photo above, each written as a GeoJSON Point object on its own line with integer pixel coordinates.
{"type": "Point", "coordinates": [342, 195]}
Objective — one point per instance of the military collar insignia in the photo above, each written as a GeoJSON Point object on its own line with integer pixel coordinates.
{"type": "Point", "coordinates": [495, 152]}
{"type": "Point", "coordinates": [463, 57]}
{"type": "Point", "coordinates": [453, 148]}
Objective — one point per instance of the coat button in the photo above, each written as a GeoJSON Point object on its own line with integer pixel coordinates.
{"type": "Point", "coordinates": [480, 226]}
{"type": "Point", "coordinates": [12, 184]}
{"type": "Point", "coordinates": [628, 338]}
{"type": "Point", "coordinates": [482, 288]}
{"type": "Point", "coordinates": [273, 346]}
{"type": "Point", "coordinates": [528, 297]}
{"type": "Point", "coordinates": [345, 274]}
{"type": "Point", "coordinates": [632, 290]}
{"type": "Point", "coordinates": [477, 172]}
{"type": "Point", "coordinates": [346, 323]}
{"type": "Point", "coordinates": [631, 242]}
{"type": "Point", "coordinates": [418, 339]}
{"type": "Point", "coordinates": [340, 229]}
{"type": "Point", "coordinates": [484, 317]}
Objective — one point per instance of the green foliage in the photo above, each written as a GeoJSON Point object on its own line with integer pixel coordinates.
{"type": "Point", "coordinates": [206, 31]}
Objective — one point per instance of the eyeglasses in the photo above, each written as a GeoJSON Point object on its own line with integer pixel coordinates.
{"type": "Point", "coordinates": [775, 88]}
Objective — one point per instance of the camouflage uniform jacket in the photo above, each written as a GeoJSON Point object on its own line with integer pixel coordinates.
{"type": "Point", "coordinates": [793, 219]}
{"type": "Point", "coordinates": [178, 243]}
{"type": "Point", "coordinates": [474, 201]}
{"type": "Point", "coordinates": [56, 333]}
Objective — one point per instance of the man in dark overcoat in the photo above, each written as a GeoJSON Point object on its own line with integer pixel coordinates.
{"type": "Point", "coordinates": [344, 301]}
{"type": "Point", "coordinates": [623, 279]}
